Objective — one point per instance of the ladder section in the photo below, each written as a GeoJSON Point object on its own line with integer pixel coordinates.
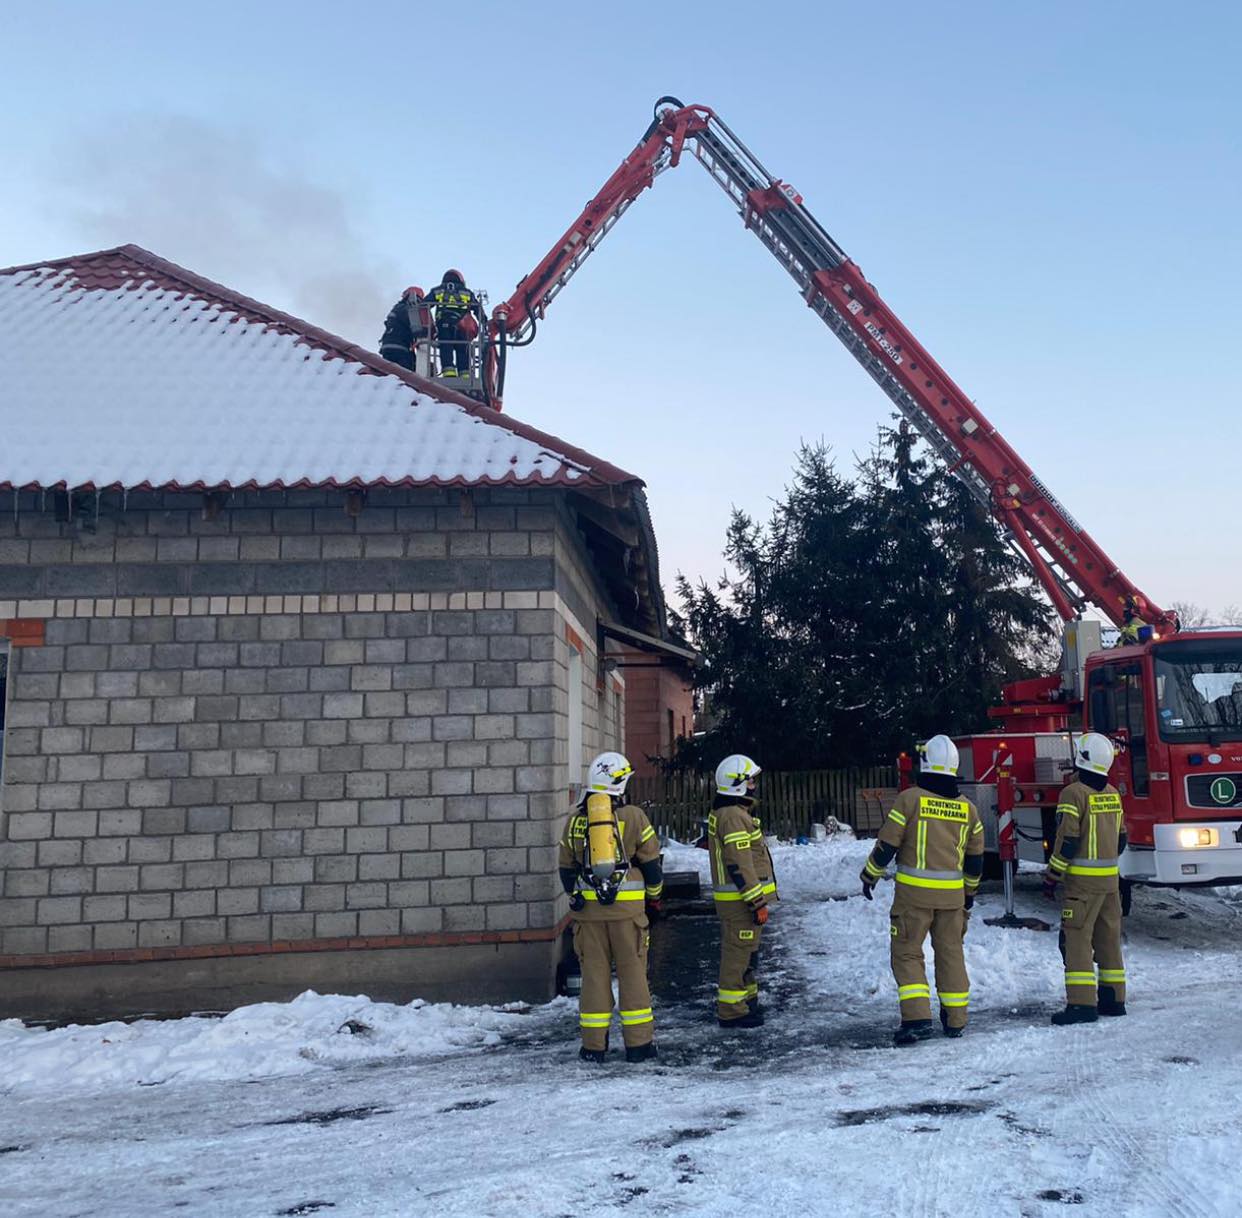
{"type": "Point", "coordinates": [803, 248]}
{"type": "Point", "coordinates": [539, 299]}
{"type": "Point", "coordinates": [799, 243]}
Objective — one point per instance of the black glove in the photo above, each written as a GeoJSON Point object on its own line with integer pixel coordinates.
{"type": "Point", "coordinates": [1050, 886]}
{"type": "Point", "coordinates": [655, 911]}
{"type": "Point", "coordinates": [970, 901]}
{"type": "Point", "coordinates": [577, 902]}
{"type": "Point", "coordinates": [868, 887]}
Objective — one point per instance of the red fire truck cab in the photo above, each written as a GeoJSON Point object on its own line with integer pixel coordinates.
{"type": "Point", "coordinates": [1173, 707]}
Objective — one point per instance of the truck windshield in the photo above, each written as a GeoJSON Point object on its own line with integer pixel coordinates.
{"type": "Point", "coordinates": [1199, 689]}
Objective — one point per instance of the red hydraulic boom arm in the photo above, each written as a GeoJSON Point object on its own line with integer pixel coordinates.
{"type": "Point", "coordinates": [1070, 565]}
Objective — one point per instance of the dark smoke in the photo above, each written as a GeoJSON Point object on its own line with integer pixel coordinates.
{"type": "Point", "coordinates": [219, 204]}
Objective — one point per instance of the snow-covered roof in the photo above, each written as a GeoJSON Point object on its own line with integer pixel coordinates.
{"type": "Point", "coordinates": [119, 369]}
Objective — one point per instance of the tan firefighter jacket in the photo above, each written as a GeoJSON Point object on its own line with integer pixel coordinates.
{"type": "Point", "coordinates": [639, 845]}
{"type": "Point", "coordinates": [741, 862]}
{"type": "Point", "coordinates": [932, 837]}
{"type": "Point", "coordinates": [1089, 836]}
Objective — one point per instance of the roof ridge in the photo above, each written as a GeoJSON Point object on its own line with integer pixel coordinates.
{"type": "Point", "coordinates": [325, 340]}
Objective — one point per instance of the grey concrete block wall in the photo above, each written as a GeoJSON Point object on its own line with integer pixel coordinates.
{"type": "Point", "coordinates": [268, 719]}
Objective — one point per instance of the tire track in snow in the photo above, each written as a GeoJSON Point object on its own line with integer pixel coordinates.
{"type": "Point", "coordinates": [1151, 1178]}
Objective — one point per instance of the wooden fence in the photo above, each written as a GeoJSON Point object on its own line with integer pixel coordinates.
{"type": "Point", "coordinates": [789, 803]}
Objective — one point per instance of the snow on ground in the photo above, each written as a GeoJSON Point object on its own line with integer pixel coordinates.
{"type": "Point", "coordinates": [261, 1041]}
{"type": "Point", "coordinates": [457, 1111]}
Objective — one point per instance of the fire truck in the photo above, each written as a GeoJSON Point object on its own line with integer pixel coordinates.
{"type": "Point", "coordinates": [1171, 700]}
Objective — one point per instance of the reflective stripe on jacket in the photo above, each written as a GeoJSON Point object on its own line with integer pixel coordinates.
{"type": "Point", "coordinates": [740, 860]}
{"type": "Point", "coordinates": [639, 844]}
{"type": "Point", "coordinates": [1088, 838]}
{"type": "Point", "coordinates": [932, 836]}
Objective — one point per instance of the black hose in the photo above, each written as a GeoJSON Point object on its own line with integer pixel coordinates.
{"type": "Point", "coordinates": [530, 313]}
{"type": "Point", "coordinates": [656, 119]}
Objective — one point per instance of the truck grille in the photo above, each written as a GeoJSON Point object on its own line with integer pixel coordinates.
{"type": "Point", "coordinates": [1214, 790]}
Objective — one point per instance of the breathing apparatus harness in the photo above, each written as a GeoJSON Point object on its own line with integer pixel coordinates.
{"type": "Point", "coordinates": [602, 865]}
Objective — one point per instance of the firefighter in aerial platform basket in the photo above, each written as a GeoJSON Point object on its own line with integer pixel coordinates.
{"type": "Point", "coordinates": [610, 867]}
{"type": "Point", "coordinates": [1090, 839]}
{"type": "Point", "coordinates": [937, 839]}
{"type": "Point", "coordinates": [458, 314]}
{"type": "Point", "coordinates": [407, 321]}
{"type": "Point", "coordinates": [743, 884]}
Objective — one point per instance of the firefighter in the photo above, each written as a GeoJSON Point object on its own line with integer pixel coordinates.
{"type": "Point", "coordinates": [1133, 628]}
{"type": "Point", "coordinates": [458, 313]}
{"type": "Point", "coordinates": [743, 883]}
{"type": "Point", "coordinates": [937, 839]}
{"type": "Point", "coordinates": [610, 868]}
{"type": "Point", "coordinates": [1090, 838]}
{"type": "Point", "coordinates": [406, 323]}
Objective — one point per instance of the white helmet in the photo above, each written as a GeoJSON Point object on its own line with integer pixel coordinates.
{"type": "Point", "coordinates": [939, 756]}
{"type": "Point", "coordinates": [1094, 753]}
{"type": "Point", "coordinates": [609, 773]}
{"type": "Point", "coordinates": [735, 774]}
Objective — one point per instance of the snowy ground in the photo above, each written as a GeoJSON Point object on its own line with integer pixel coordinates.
{"type": "Point", "coordinates": [461, 1111]}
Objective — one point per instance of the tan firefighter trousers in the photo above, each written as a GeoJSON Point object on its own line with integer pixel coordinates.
{"type": "Point", "coordinates": [600, 945]}
{"type": "Point", "coordinates": [1091, 935]}
{"type": "Point", "coordinates": [909, 926]}
{"type": "Point", "coordinates": [739, 951]}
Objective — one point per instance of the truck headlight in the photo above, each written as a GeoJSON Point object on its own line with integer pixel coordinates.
{"type": "Point", "coordinates": [1191, 839]}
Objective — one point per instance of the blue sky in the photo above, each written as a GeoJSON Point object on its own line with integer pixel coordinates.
{"type": "Point", "coordinates": [1047, 193]}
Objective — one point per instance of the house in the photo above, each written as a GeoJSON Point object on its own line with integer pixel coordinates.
{"type": "Point", "coordinates": [304, 656]}
{"type": "Point", "coordinates": [659, 706]}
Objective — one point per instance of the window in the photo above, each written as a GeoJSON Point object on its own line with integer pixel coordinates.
{"type": "Point", "coordinates": [575, 761]}
{"type": "Point", "coordinates": [1116, 697]}
{"type": "Point", "coordinates": [1199, 683]}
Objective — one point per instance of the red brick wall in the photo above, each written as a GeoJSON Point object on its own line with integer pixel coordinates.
{"type": "Point", "coordinates": [650, 695]}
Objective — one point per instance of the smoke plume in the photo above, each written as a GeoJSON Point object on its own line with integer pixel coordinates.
{"type": "Point", "coordinates": [219, 204]}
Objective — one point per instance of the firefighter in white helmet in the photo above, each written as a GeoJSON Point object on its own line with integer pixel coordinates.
{"type": "Point", "coordinates": [610, 868]}
{"type": "Point", "coordinates": [937, 839]}
{"type": "Point", "coordinates": [1090, 838]}
{"type": "Point", "coordinates": [743, 883]}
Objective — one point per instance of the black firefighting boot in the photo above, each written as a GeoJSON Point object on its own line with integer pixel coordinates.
{"type": "Point", "coordinates": [1108, 1004]}
{"type": "Point", "coordinates": [951, 1033]}
{"type": "Point", "coordinates": [1075, 1013]}
{"type": "Point", "coordinates": [912, 1031]}
{"type": "Point", "coordinates": [641, 1053]}
{"type": "Point", "coordinates": [594, 1055]}
{"type": "Point", "coordinates": [752, 1019]}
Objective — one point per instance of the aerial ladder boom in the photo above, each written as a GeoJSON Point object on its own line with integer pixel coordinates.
{"type": "Point", "coordinates": [1069, 564]}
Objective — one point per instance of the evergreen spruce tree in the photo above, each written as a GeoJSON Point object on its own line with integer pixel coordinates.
{"type": "Point", "coordinates": [863, 614]}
